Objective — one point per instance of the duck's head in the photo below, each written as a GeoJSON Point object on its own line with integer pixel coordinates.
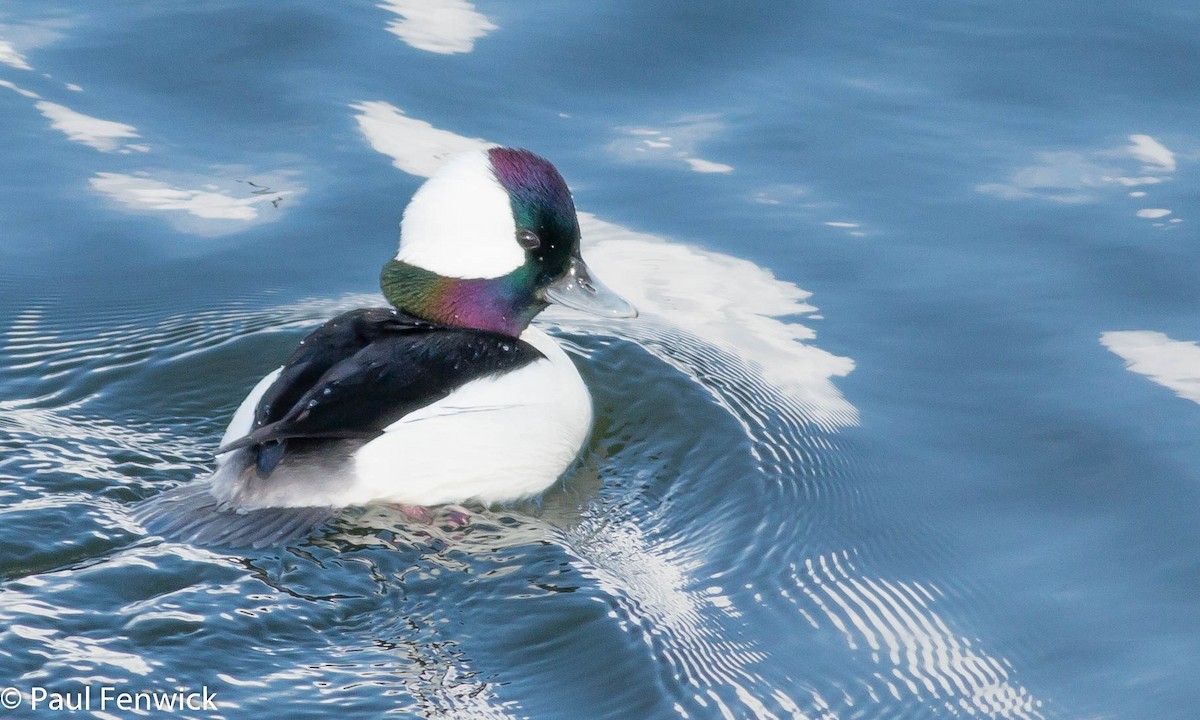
{"type": "Point", "coordinates": [489, 241]}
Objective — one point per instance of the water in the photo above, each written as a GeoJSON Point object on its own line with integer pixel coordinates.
{"type": "Point", "coordinates": [908, 427]}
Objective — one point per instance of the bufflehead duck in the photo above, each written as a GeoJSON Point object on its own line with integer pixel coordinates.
{"type": "Point", "coordinates": [450, 396]}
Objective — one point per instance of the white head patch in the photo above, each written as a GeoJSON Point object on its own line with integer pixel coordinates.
{"type": "Point", "coordinates": [460, 223]}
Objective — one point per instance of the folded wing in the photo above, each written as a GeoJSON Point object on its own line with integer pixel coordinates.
{"type": "Point", "coordinates": [366, 369]}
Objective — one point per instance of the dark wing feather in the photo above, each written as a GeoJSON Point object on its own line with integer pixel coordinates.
{"type": "Point", "coordinates": [374, 370]}
{"type": "Point", "coordinates": [328, 345]}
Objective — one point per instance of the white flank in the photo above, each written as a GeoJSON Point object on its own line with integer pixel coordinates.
{"type": "Point", "coordinates": [446, 27]}
{"type": "Point", "coordinates": [460, 222]}
{"type": "Point", "coordinates": [528, 423]}
{"type": "Point", "coordinates": [103, 135]}
{"type": "Point", "coordinates": [1174, 364]}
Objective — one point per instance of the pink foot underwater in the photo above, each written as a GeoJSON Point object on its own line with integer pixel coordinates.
{"type": "Point", "coordinates": [456, 516]}
{"type": "Point", "coordinates": [420, 513]}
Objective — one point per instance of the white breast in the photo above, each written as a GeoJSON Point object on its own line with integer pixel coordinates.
{"type": "Point", "coordinates": [494, 439]}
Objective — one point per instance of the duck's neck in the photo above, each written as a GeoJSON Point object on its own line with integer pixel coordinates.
{"type": "Point", "coordinates": [503, 305]}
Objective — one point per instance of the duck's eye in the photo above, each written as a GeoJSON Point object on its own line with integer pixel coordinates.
{"type": "Point", "coordinates": [529, 239]}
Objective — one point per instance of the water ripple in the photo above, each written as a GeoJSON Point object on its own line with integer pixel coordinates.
{"type": "Point", "coordinates": [642, 528]}
{"type": "Point", "coordinates": [894, 623]}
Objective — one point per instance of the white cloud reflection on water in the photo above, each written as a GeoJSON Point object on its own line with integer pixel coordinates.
{"type": "Point", "coordinates": [1153, 213]}
{"type": "Point", "coordinates": [1174, 364]}
{"type": "Point", "coordinates": [445, 27]}
{"type": "Point", "coordinates": [1150, 151]}
{"type": "Point", "coordinates": [17, 39]}
{"type": "Point", "coordinates": [689, 287]}
{"type": "Point", "coordinates": [97, 133]}
{"type": "Point", "coordinates": [693, 289]}
{"type": "Point", "coordinates": [1077, 178]}
{"type": "Point", "coordinates": [19, 90]}
{"type": "Point", "coordinates": [103, 135]}
{"type": "Point", "coordinates": [701, 165]}
{"type": "Point", "coordinates": [198, 204]}
{"type": "Point", "coordinates": [676, 143]}
{"type": "Point", "coordinates": [9, 56]}
{"type": "Point", "coordinates": [194, 202]}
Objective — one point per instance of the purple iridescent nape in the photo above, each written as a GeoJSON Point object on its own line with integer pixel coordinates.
{"type": "Point", "coordinates": [532, 183]}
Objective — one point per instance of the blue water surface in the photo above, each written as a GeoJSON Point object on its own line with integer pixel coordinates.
{"type": "Point", "coordinates": [908, 427]}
